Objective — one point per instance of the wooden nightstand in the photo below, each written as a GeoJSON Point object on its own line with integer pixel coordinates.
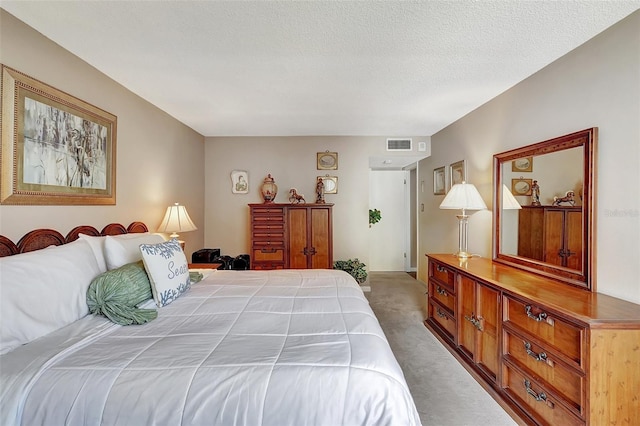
{"type": "Point", "coordinates": [204, 265]}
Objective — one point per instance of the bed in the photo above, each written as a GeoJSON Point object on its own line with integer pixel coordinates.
{"type": "Point", "coordinates": [287, 347]}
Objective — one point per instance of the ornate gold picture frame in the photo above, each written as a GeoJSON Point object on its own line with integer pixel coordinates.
{"type": "Point", "coordinates": [521, 186]}
{"type": "Point", "coordinates": [524, 164]}
{"type": "Point", "coordinates": [330, 184]}
{"type": "Point", "coordinates": [56, 149]}
{"type": "Point", "coordinates": [327, 160]}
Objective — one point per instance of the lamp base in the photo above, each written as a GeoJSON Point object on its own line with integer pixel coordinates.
{"type": "Point", "coordinates": [463, 255]}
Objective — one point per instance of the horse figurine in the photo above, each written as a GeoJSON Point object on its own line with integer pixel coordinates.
{"type": "Point", "coordinates": [295, 198]}
{"type": "Point", "coordinates": [568, 198]}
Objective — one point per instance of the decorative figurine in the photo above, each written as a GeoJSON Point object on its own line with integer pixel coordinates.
{"type": "Point", "coordinates": [568, 198]}
{"type": "Point", "coordinates": [295, 198]}
{"type": "Point", "coordinates": [535, 194]}
{"type": "Point", "coordinates": [320, 191]}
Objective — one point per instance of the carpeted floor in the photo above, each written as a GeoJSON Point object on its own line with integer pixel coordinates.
{"type": "Point", "coordinates": [444, 393]}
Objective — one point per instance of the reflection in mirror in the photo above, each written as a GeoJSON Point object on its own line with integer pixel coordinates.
{"type": "Point", "coordinates": [551, 232]}
{"type": "Point", "coordinates": [555, 174]}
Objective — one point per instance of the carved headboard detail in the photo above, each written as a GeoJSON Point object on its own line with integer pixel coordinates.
{"type": "Point", "coordinates": [41, 238]}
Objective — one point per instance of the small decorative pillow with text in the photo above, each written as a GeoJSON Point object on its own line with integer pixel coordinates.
{"type": "Point", "coordinates": [168, 270]}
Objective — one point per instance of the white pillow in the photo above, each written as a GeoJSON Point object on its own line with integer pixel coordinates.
{"type": "Point", "coordinates": [43, 291]}
{"type": "Point", "coordinates": [122, 249]}
{"type": "Point", "coordinates": [97, 245]}
{"type": "Point", "coordinates": [168, 270]}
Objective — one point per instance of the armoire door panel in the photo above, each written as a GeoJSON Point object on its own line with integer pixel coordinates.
{"type": "Point", "coordinates": [320, 239]}
{"type": "Point", "coordinates": [574, 239]}
{"type": "Point", "coordinates": [553, 237]}
{"type": "Point", "coordinates": [298, 242]}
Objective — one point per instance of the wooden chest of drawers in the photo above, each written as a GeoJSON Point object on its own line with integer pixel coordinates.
{"type": "Point", "coordinates": [557, 355]}
{"type": "Point", "coordinates": [268, 242]}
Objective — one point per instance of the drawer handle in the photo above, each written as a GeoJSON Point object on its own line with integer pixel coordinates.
{"type": "Point", "coordinates": [440, 313]}
{"type": "Point", "coordinates": [542, 316]}
{"type": "Point", "coordinates": [272, 250]}
{"type": "Point", "coordinates": [441, 291]}
{"type": "Point", "coordinates": [537, 396]}
{"type": "Point", "coordinates": [473, 320]}
{"type": "Point", "coordinates": [441, 268]}
{"type": "Point", "coordinates": [538, 357]}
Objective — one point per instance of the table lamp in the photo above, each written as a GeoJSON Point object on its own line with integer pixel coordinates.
{"type": "Point", "coordinates": [176, 219]}
{"type": "Point", "coordinates": [509, 202]}
{"type": "Point", "coordinates": [463, 196]}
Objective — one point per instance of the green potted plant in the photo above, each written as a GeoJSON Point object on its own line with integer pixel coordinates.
{"type": "Point", "coordinates": [353, 267]}
{"type": "Point", "coordinates": [374, 216]}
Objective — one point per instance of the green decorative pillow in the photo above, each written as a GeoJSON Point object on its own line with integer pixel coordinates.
{"type": "Point", "coordinates": [116, 294]}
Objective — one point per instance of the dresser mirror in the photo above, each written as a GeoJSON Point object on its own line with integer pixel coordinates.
{"type": "Point", "coordinates": [544, 200]}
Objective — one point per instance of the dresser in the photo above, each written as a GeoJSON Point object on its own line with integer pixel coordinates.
{"type": "Point", "coordinates": [549, 353]}
{"type": "Point", "coordinates": [291, 236]}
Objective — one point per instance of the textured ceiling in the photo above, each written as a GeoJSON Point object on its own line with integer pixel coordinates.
{"type": "Point", "coordinates": [276, 68]}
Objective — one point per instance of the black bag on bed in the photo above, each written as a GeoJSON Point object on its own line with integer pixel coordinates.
{"type": "Point", "coordinates": [227, 261]}
{"type": "Point", "coordinates": [241, 262]}
{"type": "Point", "coordinates": [206, 255]}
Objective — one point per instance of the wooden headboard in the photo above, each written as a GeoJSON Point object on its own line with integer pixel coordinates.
{"type": "Point", "coordinates": [41, 238]}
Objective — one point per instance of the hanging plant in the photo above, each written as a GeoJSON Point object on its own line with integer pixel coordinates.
{"type": "Point", "coordinates": [353, 267]}
{"type": "Point", "coordinates": [374, 216]}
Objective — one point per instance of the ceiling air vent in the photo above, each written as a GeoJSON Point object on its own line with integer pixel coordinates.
{"type": "Point", "coordinates": [398, 144]}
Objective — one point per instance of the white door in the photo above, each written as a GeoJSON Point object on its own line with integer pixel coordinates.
{"type": "Point", "coordinates": [388, 238]}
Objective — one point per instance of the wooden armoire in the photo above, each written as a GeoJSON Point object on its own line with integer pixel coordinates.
{"type": "Point", "coordinates": [552, 234]}
{"type": "Point", "coordinates": [291, 236]}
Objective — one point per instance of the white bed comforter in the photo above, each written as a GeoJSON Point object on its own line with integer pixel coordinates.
{"type": "Point", "coordinates": [295, 347]}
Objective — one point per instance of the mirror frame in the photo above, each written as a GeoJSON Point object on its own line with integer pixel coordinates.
{"type": "Point", "coordinates": [587, 139]}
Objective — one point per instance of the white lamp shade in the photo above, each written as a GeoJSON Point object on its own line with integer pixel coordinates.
{"type": "Point", "coordinates": [463, 196]}
{"type": "Point", "coordinates": [176, 219]}
{"type": "Point", "coordinates": [509, 202]}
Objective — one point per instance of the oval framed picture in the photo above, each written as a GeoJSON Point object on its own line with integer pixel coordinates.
{"type": "Point", "coordinates": [521, 186]}
{"type": "Point", "coordinates": [330, 184]}
{"type": "Point", "coordinates": [327, 160]}
{"type": "Point", "coordinates": [524, 164]}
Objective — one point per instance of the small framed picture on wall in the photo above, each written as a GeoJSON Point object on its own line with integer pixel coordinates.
{"type": "Point", "coordinates": [327, 160]}
{"type": "Point", "coordinates": [524, 164]}
{"type": "Point", "coordinates": [439, 184]}
{"type": "Point", "coordinates": [458, 173]}
{"type": "Point", "coordinates": [330, 184]}
{"type": "Point", "coordinates": [239, 182]}
{"type": "Point", "coordinates": [521, 186]}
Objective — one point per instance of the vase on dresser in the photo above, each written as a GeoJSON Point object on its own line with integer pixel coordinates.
{"type": "Point", "coordinates": [269, 189]}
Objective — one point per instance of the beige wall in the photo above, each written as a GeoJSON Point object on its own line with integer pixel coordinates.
{"type": "Point", "coordinates": [159, 160]}
{"type": "Point", "coordinates": [292, 162]}
{"type": "Point", "coordinates": [596, 85]}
